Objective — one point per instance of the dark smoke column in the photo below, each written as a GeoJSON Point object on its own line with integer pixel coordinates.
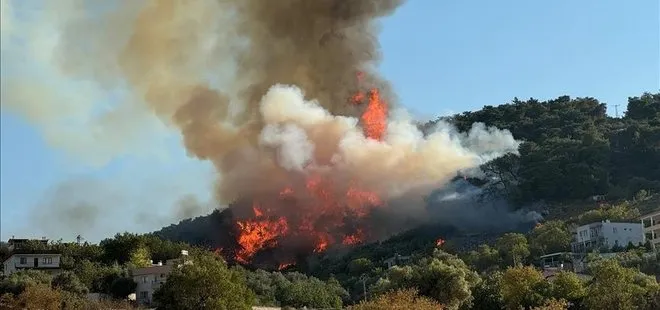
{"type": "Point", "coordinates": [317, 45]}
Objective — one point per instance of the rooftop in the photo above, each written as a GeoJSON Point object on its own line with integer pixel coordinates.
{"type": "Point", "coordinates": [34, 251]}
{"type": "Point", "coordinates": [155, 269]}
{"type": "Point", "coordinates": [24, 240]}
{"type": "Point", "coordinates": [632, 222]}
{"type": "Point", "coordinates": [650, 214]}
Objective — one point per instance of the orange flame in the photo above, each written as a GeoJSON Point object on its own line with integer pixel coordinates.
{"type": "Point", "coordinates": [321, 219]}
{"type": "Point", "coordinates": [258, 234]}
{"type": "Point", "coordinates": [283, 266]}
{"type": "Point", "coordinates": [374, 118]}
{"type": "Point", "coordinates": [356, 238]}
{"type": "Point", "coordinates": [322, 243]}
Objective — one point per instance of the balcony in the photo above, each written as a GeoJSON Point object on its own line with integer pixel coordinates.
{"type": "Point", "coordinates": [652, 228]}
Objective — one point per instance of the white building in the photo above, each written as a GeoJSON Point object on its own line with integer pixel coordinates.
{"type": "Point", "coordinates": [149, 279]}
{"type": "Point", "coordinates": [651, 223]}
{"type": "Point", "coordinates": [47, 262]}
{"type": "Point", "coordinates": [21, 259]}
{"type": "Point", "coordinates": [606, 234]}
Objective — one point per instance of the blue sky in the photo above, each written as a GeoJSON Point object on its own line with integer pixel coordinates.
{"type": "Point", "coordinates": [441, 57]}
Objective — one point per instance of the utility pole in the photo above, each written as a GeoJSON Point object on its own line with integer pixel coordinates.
{"type": "Point", "coordinates": [364, 286]}
{"type": "Point", "coordinates": [616, 110]}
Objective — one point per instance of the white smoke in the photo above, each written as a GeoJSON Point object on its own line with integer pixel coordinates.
{"type": "Point", "coordinates": [294, 148]}
{"type": "Point", "coordinates": [404, 161]}
{"type": "Point", "coordinates": [89, 117]}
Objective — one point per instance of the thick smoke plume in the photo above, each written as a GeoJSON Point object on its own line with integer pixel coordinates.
{"type": "Point", "coordinates": [306, 138]}
{"type": "Point", "coordinates": [262, 89]}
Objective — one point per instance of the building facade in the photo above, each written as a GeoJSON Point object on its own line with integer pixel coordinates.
{"type": "Point", "coordinates": [149, 279]}
{"type": "Point", "coordinates": [606, 235]}
{"type": "Point", "coordinates": [21, 258]}
{"type": "Point", "coordinates": [651, 224]}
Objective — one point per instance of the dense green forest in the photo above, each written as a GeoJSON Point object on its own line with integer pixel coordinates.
{"type": "Point", "coordinates": [572, 151]}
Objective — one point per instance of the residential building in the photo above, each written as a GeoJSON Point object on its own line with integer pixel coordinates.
{"type": "Point", "coordinates": [651, 223]}
{"type": "Point", "coordinates": [605, 235]}
{"type": "Point", "coordinates": [396, 260]}
{"type": "Point", "coordinates": [560, 260]}
{"type": "Point", "coordinates": [21, 258]}
{"type": "Point", "coordinates": [150, 278]}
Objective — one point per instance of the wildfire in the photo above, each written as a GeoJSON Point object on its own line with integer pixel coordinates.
{"type": "Point", "coordinates": [323, 220]}
{"type": "Point", "coordinates": [353, 239]}
{"type": "Point", "coordinates": [283, 266]}
{"type": "Point", "coordinates": [374, 118]}
{"type": "Point", "coordinates": [257, 234]}
{"type": "Point", "coordinates": [323, 240]}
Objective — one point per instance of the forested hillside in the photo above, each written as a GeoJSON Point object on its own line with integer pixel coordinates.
{"type": "Point", "coordinates": [573, 150]}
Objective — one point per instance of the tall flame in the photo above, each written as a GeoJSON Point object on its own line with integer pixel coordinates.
{"type": "Point", "coordinates": [259, 233]}
{"type": "Point", "coordinates": [374, 118]}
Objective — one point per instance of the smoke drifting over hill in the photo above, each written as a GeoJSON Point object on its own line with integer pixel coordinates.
{"type": "Point", "coordinates": [281, 96]}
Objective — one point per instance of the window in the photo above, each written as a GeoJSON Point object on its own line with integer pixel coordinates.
{"type": "Point", "coordinates": [614, 230]}
{"type": "Point", "coordinates": [647, 222]}
{"type": "Point", "coordinates": [144, 279]}
{"type": "Point", "coordinates": [144, 294]}
{"type": "Point", "coordinates": [47, 260]}
{"type": "Point", "coordinates": [23, 260]}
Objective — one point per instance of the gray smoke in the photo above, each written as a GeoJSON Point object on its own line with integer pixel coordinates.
{"type": "Point", "coordinates": [459, 205]}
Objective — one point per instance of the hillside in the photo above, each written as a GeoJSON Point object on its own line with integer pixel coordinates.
{"type": "Point", "coordinates": [571, 151]}
{"type": "Point", "coordinates": [479, 242]}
